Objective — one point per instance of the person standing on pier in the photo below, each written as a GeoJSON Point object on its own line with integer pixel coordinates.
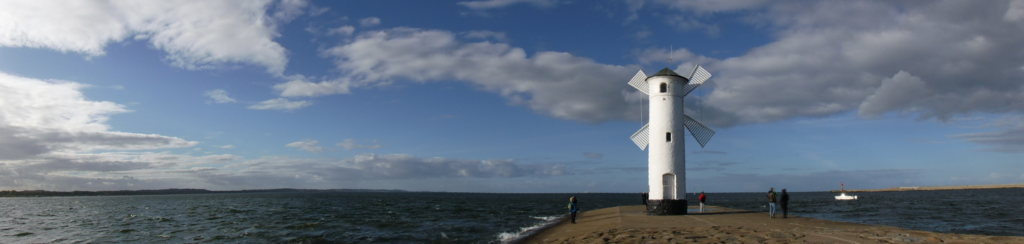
{"type": "Point", "coordinates": [784, 201]}
{"type": "Point", "coordinates": [771, 202]}
{"type": "Point", "coordinates": [643, 196]}
{"type": "Point", "coordinates": [702, 198]}
{"type": "Point", "coordinates": [573, 208]}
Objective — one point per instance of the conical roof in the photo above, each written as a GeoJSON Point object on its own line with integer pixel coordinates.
{"type": "Point", "coordinates": [666, 72]}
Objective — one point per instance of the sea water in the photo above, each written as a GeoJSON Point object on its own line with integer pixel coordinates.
{"type": "Point", "coordinates": [417, 217]}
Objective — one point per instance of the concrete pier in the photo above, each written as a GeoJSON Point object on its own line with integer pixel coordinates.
{"type": "Point", "coordinates": [630, 224]}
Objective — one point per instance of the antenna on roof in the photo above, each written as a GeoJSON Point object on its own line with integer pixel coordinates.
{"type": "Point", "coordinates": [671, 52]}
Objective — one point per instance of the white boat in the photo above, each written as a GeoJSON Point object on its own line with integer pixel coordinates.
{"type": "Point", "coordinates": [843, 196]}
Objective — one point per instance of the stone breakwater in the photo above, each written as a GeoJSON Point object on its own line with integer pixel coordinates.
{"type": "Point", "coordinates": [629, 224]}
{"type": "Point", "coordinates": [937, 188]}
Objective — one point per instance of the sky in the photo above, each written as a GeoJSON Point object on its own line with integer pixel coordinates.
{"type": "Point", "coordinates": [505, 96]}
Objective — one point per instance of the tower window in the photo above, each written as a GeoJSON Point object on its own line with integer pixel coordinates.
{"type": "Point", "coordinates": [664, 87]}
{"type": "Point", "coordinates": [668, 136]}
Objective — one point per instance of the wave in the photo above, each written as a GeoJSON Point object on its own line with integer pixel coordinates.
{"type": "Point", "coordinates": [546, 221]}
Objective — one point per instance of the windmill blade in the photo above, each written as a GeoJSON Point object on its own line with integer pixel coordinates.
{"type": "Point", "coordinates": [699, 131]}
{"type": "Point", "coordinates": [639, 82]}
{"type": "Point", "coordinates": [640, 137]}
{"type": "Point", "coordinates": [697, 77]}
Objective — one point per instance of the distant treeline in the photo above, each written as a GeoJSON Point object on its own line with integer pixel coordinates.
{"type": "Point", "coordinates": [42, 193]}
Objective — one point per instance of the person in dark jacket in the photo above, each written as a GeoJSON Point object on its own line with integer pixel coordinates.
{"type": "Point", "coordinates": [643, 196]}
{"type": "Point", "coordinates": [784, 202]}
{"type": "Point", "coordinates": [573, 208]}
{"type": "Point", "coordinates": [702, 198]}
{"type": "Point", "coordinates": [771, 202]}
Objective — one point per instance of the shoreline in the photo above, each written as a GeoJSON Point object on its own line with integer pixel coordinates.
{"type": "Point", "coordinates": [630, 224]}
{"type": "Point", "coordinates": [524, 236]}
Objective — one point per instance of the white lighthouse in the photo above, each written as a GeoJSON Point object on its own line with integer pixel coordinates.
{"type": "Point", "coordinates": [667, 157]}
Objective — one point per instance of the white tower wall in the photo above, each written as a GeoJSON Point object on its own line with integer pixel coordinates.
{"type": "Point", "coordinates": [666, 156]}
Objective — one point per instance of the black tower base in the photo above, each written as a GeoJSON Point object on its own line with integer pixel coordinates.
{"type": "Point", "coordinates": [666, 207]}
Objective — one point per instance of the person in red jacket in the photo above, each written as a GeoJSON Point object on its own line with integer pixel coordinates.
{"type": "Point", "coordinates": [702, 198]}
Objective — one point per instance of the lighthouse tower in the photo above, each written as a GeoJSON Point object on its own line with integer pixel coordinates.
{"type": "Point", "coordinates": [667, 159]}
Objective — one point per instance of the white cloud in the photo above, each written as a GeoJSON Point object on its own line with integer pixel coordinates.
{"type": "Point", "coordinates": [687, 58]}
{"type": "Point", "coordinates": [125, 170]}
{"type": "Point", "coordinates": [39, 118]}
{"type": "Point", "coordinates": [48, 131]}
{"type": "Point", "coordinates": [229, 146]}
{"type": "Point", "coordinates": [947, 58]}
{"type": "Point", "coordinates": [195, 34]}
{"type": "Point", "coordinates": [344, 30]}
{"type": "Point", "coordinates": [301, 87]}
{"type": "Point", "coordinates": [308, 145]}
{"type": "Point", "coordinates": [1015, 12]}
{"type": "Point", "coordinates": [398, 166]}
{"type": "Point", "coordinates": [643, 34]}
{"type": "Point", "coordinates": [219, 96]}
{"type": "Point", "coordinates": [828, 58]}
{"type": "Point", "coordinates": [1009, 139]}
{"type": "Point", "coordinates": [280, 104]}
{"type": "Point", "coordinates": [491, 4]}
{"type": "Point", "coordinates": [317, 11]}
{"type": "Point", "coordinates": [287, 10]}
{"type": "Point", "coordinates": [487, 35]}
{"type": "Point", "coordinates": [553, 83]}
{"type": "Point", "coordinates": [371, 21]}
{"type": "Point", "coordinates": [708, 6]}
{"type": "Point", "coordinates": [898, 92]}
{"type": "Point", "coordinates": [350, 144]}
{"type": "Point", "coordinates": [688, 22]}
{"type": "Point", "coordinates": [231, 172]}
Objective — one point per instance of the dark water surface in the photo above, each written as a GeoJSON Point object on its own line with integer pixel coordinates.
{"type": "Point", "coordinates": [442, 217]}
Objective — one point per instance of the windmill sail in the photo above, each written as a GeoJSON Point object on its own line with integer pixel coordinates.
{"type": "Point", "coordinates": [640, 137]}
{"type": "Point", "coordinates": [697, 77]}
{"type": "Point", "coordinates": [699, 131]}
{"type": "Point", "coordinates": [639, 82]}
